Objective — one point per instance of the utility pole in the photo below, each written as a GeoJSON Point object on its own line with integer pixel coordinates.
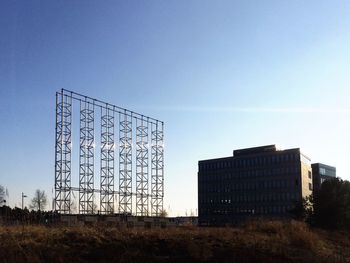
{"type": "Point", "coordinates": [23, 196]}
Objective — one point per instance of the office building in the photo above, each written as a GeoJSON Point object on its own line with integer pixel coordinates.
{"type": "Point", "coordinates": [254, 182]}
{"type": "Point", "coordinates": [320, 173]}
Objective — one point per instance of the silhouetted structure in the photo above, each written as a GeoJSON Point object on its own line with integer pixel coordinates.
{"type": "Point", "coordinates": [320, 173]}
{"type": "Point", "coordinates": [129, 148]}
{"type": "Point", "coordinates": [255, 182]}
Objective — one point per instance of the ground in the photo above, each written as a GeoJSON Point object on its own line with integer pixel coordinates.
{"type": "Point", "coordinates": [267, 241]}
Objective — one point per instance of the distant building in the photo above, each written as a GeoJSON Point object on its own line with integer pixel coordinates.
{"type": "Point", "coordinates": [321, 173]}
{"type": "Point", "coordinates": [254, 182]}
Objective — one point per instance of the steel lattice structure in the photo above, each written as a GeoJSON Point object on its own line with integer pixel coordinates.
{"type": "Point", "coordinates": [107, 160]}
{"type": "Point", "coordinates": [125, 164]}
{"type": "Point", "coordinates": [105, 129]}
{"type": "Point", "coordinates": [157, 168]}
{"type": "Point", "coordinates": [63, 151]}
{"type": "Point", "coordinates": [142, 167]}
{"type": "Point", "coordinates": [86, 158]}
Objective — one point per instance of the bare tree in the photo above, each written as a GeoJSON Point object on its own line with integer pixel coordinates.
{"type": "Point", "coordinates": [163, 213]}
{"type": "Point", "coordinates": [2, 195]}
{"type": "Point", "coordinates": [95, 208]}
{"type": "Point", "coordinates": [73, 204]}
{"type": "Point", "coordinates": [39, 200]}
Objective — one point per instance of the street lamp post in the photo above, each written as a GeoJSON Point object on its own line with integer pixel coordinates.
{"type": "Point", "coordinates": [23, 196]}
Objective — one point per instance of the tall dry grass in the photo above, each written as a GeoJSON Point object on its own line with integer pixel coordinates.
{"type": "Point", "coordinates": [259, 241]}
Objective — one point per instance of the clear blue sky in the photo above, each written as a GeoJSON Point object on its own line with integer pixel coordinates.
{"type": "Point", "coordinates": [221, 74]}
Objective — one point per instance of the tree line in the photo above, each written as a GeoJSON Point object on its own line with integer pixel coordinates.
{"type": "Point", "coordinates": [328, 207]}
{"type": "Point", "coordinates": [38, 202]}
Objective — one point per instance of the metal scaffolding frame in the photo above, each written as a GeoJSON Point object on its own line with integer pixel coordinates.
{"type": "Point", "coordinates": [107, 161]}
{"type": "Point", "coordinates": [125, 164]}
{"type": "Point", "coordinates": [142, 168]}
{"type": "Point", "coordinates": [63, 152]}
{"type": "Point", "coordinates": [157, 178]}
{"type": "Point", "coordinates": [86, 158]}
{"type": "Point", "coordinates": [115, 122]}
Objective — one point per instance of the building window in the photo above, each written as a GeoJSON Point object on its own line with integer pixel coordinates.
{"type": "Point", "coordinates": [310, 174]}
{"type": "Point", "coordinates": [322, 171]}
{"type": "Point", "coordinates": [310, 186]}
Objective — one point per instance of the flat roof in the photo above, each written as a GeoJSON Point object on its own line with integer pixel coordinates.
{"type": "Point", "coordinates": [253, 151]}
{"type": "Point", "coordinates": [323, 165]}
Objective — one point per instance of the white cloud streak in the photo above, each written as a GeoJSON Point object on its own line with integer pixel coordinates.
{"type": "Point", "coordinates": [253, 109]}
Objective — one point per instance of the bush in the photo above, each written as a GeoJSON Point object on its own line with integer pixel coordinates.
{"type": "Point", "coordinates": [331, 205]}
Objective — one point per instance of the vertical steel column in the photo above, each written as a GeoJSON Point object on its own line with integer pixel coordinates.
{"type": "Point", "coordinates": [107, 161]}
{"type": "Point", "coordinates": [58, 153]}
{"type": "Point", "coordinates": [157, 178]}
{"type": "Point", "coordinates": [161, 169]}
{"type": "Point", "coordinates": [141, 167]}
{"type": "Point", "coordinates": [63, 153]}
{"type": "Point", "coordinates": [86, 160]}
{"type": "Point", "coordinates": [125, 163]}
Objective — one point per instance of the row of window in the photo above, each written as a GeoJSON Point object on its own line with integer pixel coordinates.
{"type": "Point", "coordinates": [247, 198]}
{"type": "Point", "coordinates": [278, 209]}
{"type": "Point", "coordinates": [254, 173]}
{"type": "Point", "coordinates": [230, 186]}
{"type": "Point", "coordinates": [324, 171]}
{"type": "Point", "coordinates": [248, 162]}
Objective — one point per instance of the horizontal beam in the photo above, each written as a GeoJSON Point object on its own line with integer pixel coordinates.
{"type": "Point", "coordinates": [102, 104]}
{"type": "Point", "coordinates": [96, 191]}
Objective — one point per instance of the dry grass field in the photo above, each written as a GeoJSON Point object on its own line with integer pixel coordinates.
{"type": "Point", "coordinates": [268, 241]}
